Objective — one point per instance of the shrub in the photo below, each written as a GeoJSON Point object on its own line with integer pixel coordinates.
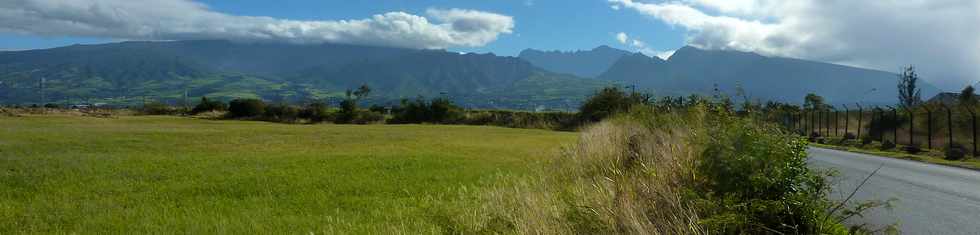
{"type": "Point", "coordinates": [955, 152]}
{"type": "Point", "coordinates": [207, 105]}
{"type": "Point", "coordinates": [609, 101]}
{"type": "Point", "coordinates": [316, 112]}
{"type": "Point", "coordinates": [367, 117]}
{"type": "Point", "coordinates": [887, 145]}
{"type": "Point", "coordinates": [438, 110]}
{"type": "Point", "coordinates": [51, 106]}
{"type": "Point", "coordinates": [849, 136]}
{"type": "Point", "coordinates": [157, 108]}
{"type": "Point", "coordinates": [866, 140]}
{"type": "Point", "coordinates": [281, 113]}
{"type": "Point", "coordinates": [245, 108]}
{"type": "Point", "coordinates": [912, 149]}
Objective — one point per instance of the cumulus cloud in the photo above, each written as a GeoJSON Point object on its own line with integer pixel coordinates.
{"type": "Point", "coordinates": [939, 37]}
{"type": "Point", "coordinates": [641, 46]}
{"type": "Point", "coordinates": [185, 19]}
{"type": "Point", "coordinates": [622, 37]}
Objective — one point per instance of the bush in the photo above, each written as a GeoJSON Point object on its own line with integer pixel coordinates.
{"type": "Point", "coordinates": [245, 108]}
{"type": "Point", "coordinates": [438, 110]}
{"type": "Point", "coordinates": [367, 117]}
{"type": "Point", "coordinates": [849, 136]}
{"type": "Point", "coordinates": [51, 106]}
{"type": "Point", "coordinates": [316, 112]}
{"type": "Point", "coordinates": [281, 113]}
{"type": "Point", "coordinates": [157, 108]}
{"type": "Point", "coordinates": [608, 101]}
{"type": "Point", "coordinates": [516, 119]}
{"type": "Point", "coordinates": [955, 152]}
{"type": "Point", "coordinates": [887, 145]}
{"type": "Point", "coordinates": [207, 105]}
{"type": "Point", "coordinates": [912, 149]}
{"type": "Point", "coordinates": [866, 140]}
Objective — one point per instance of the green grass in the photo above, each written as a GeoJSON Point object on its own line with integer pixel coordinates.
{"type": "Point", "coordinates": [61, 174]}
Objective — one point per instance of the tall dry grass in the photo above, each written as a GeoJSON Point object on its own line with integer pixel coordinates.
{"type": "Point", "coordinates": [624, 176]}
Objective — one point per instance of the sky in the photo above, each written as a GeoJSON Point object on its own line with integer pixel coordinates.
{"type": "Point", "coordinates": [939, 37]}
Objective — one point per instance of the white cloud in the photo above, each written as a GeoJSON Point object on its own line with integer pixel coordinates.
{"type": "Point", "coordinates": [641, 46]}
{"type": "Point", "coordinates": [622, 37]}
{"type": "Point", "coordinates": [939, 37]}
{"type": "Point", "coordinates": [185, 19]}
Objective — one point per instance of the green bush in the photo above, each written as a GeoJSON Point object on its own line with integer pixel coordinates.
{"type": "Point", "coordinates": [245, 108]}
{"type": "Point", "coordinates": [281, 113]}
{"type": "Point", "coordinates": [912, 149]}
{"type": "Point", "coordinates": [849, 136]}
{"type": "Point", "coordinates": [207, 105]}
{"type": "Point", "coordinates": [517, 119]}
{"type": "Point", "coordinates": [755, 177]}
{"type": "Point", "coordinates": [316, 112]}
{"type": "Point", "coordinates": [607, 102]}
{"type": "Point", "coordinates": [955, 152]}
{"type": "Point", "coordinates": [866, 140]}
{"type": "Point", "coordinates": [887, 145]}
{"type": "Point", "coordinates": [439, 110]}
{"type": "Point", "coordinates": [367, 117]}
{"type": "Point", "coordinates": [157, 108]}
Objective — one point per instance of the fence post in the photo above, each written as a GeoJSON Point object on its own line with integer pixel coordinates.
{"type": "Point", "coordinates": [847, 118]}
{"type": "Point", "coordinates": [836, 122]}
{"type": "Point", "coordinates": [911, 111]}
{"type": "Point", "coordinates": [949, 125]}
{"type": "Point", "coordinates": [895, 130]}
{"type": "Point", "coordinates": [860, 119]}
{"type": "Point", "coordinates": [973, 125]}
{"type": "Point", "coordinates": [929, 126]}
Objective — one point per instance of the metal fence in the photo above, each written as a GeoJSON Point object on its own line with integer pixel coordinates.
{"type": "Point", "coordinates": [928, 126]}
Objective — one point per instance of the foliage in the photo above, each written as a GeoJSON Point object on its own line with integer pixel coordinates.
{"type": "Point", "coordinates": [887, 145]}
{"type": "Point", "coordinates": [755, 180]}
{"type": "Point", "coordinates": [246, 108]}
{"type": "Point", "coordinates": [912, 149]}
{"type": "Point", "coordinates": [955, 152]}
{"type": "Point", "coordinates": [909, 95]}
{"type": "Point", "coordinates": [157, 108]}
{"type": "Point", "coordinates": [518, 119]}
{"type": "Point", "coordinates": [316, 112]}
{"type": "Point", "coordinates": [281, 113]}
{"type": "Point", "coordinates": [207, 105]}
{"type": "Point", "coordinates": [438, 110]}
{"type": "Point", "coordinates": [609, 101]}
{"type": "Point", "coordinates": [348, 111]}
{"type": "Point", "coordinates": [367, 117]}
{"type": "Point", "coordinates": [849, 136]}
{"type": "Point", "coordinates": [696, 170]}
{"type": "Point", "coordinates": [967, 97]}
{"type": "Point", "coordinates": [815, 102]}
{"type": "Point", "coordinates": [866, 140]}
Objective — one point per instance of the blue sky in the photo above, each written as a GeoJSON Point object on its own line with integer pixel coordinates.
{"type": "Point", "coordinates": [539, 24]}
{"type": "Point", "coordinates": [940, 39]}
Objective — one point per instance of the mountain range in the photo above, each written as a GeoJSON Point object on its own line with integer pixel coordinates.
{"type": "Point", "coordinates": [126, 73]}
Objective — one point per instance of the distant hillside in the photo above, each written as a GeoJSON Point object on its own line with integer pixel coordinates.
{"type": "Point", "coordinates": [125, 72]}
{"type": "Point", "coordinates": [692, 70]}
{"type": "Point", "coordinates": [587, 64]}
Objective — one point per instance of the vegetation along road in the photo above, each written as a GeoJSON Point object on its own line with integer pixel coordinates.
{"type": "Point", "coordinates": [930, 199]}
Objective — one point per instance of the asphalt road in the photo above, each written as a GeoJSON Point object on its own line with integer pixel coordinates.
{"type": "Point", "coordinates": [932, 199]}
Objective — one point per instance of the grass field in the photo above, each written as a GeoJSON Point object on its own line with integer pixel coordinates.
{"type": "Point", "coordinates": [62, 174]}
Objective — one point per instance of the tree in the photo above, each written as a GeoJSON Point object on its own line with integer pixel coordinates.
{"type": "Point", "coordinates": [967, 97]}
{"type": "Point", "coordinates": [814, 102]}
{"type": "Point", "coordinates": [362, 92]}
{"type": "Point", "coordinates": [240, 108]}
{"type": "Point", "coordinates": [908, 91]}
{"type": "Point", "coordinates": [609, 101]}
